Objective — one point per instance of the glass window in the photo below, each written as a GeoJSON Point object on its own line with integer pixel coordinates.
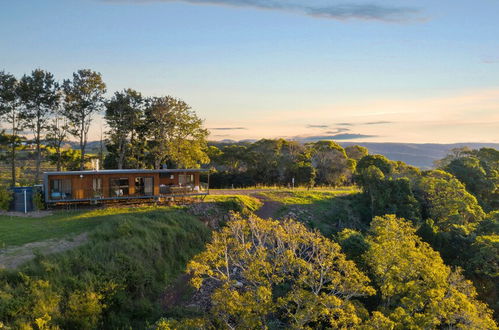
{"type": "Point", "coordinates": [144, 186]}
{"type": "Point", "coordinates": [118, 187]}
{"type": "Point", "coordinates": [60, 189]}
{"type": "Point", "coordinates": [97, 187]}
{"type": "Point", "coordinates": [186, 179]}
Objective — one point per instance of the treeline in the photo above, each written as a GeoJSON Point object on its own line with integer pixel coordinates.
{"type": "Point", "coordinates": [143, 132]}
{"type": "Point", "coordinates": [283, 163]}
{"type": "Point", "coordinates": [448, 206]}
{"type": "Point", "coordinates": [265, 274]}
{"type": "Point", "coordinates": [424, 237]}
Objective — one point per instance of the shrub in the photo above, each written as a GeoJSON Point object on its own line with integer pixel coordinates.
{"type": "Point", "coordinates": [38, 202]}
{"type": "Point", "coordinates": [5, 198]}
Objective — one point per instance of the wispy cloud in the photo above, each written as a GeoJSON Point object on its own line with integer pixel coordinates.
{"type": "Point", "coordinates": [378, 122]}
{"type": "Point", "coordinates": [346, 136]}
{"type": "Point", "coordinates": [226, 128]}
{"type": "Point", "coordinates": [490, 60]}
{"type": "Point", "coordinates": [338, 130]}
{"type": "Point", "coordinates": [333, 10]}
{"type": "Point", "coordinates": [345, 124]}
{"type": "Point", "coordinates": [317, 126]}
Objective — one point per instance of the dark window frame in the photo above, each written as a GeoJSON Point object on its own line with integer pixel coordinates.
{"type": "Point", "coordinates": [119, 187]}
{"type": "Point", "coordinates": [140, 188]}
{"type": "Point", "coordinates": [60, 189]}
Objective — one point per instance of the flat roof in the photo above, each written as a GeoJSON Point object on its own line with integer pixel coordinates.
{"type": "Point", "coordinates": [128, 171]}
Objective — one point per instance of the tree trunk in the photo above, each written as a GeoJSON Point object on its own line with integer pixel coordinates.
{"type": "Point", "coordinates": [121, 149]}
{"type": "Point", "coordinates": [13, 150]}
{"type": "Point", "coordinates": [13, 161]}
{"type": "Point", "coordinates": [38, 153]}
{"type": "Point", "coordinates": [59, 156]}
{"type": "Point", "coordinates": [82, 146]}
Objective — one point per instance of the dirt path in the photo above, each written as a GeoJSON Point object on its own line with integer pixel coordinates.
{"type": "Point", "coordinates": [15, 256]}
{"type": "Point", "coordinates": [269, 207]}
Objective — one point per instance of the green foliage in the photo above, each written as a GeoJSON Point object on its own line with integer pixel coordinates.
{"type": "Point", "coordinates": [272, 272]}
{"type": "Point", "coordinates": [485, 256]}
{"type": "Point", "coordinates": [38, 202]}
{"type": "Point", "coordinates": [378, 161]}
{"type": "Point", "coordinates": [478, 170]}
{"type": "Point", "coordinates": [5, 198]}
{"type": "Point", "coordinates": [446, 201]}
{"type": "Point", "coordinates": [389, 192]}
{"type": "Point", "coordinates": [353, 243]}
{"type": "Point", "coordinates": [417, 289]}
{"type": "Point", "coordinates": [124, 115]}
{"type": "Point", "coordinates": [83, 97]}
{"type": "Point", "coordinates": [112, 282]}
{"type": "Point", "coordinates": [174, 133]}
{"type": "Point", "coordinates": [39, 95]}
{"type": "Point", "coordinates": [331, 162]}
{"type": "Point", "coordinates": [356, 152]}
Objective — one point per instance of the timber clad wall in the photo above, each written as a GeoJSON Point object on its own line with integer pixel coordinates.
{"type": "Point", "coordinates": [116, 184]}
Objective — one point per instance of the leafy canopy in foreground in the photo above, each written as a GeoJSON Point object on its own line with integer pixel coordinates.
{"type": "Point", "coordinates": [281, 274]}
{"type": "Point", "coordinates": [417, 289]}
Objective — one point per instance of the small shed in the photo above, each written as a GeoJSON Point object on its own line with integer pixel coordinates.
{"type": "Point", "coordinates": [22, 199]}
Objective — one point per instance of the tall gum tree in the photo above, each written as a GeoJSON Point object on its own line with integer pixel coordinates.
{"type": "Point", "coordinates": [417, 290]}
{"type": "Point", "coordinates": [10, 112]}
{"type": "Point", "coordinates": [124, 113]}
{"type": "Point", "coordinates": [84, 97]}
{"type": "Point", "coordinates": [175, 133]}
{"type": "Point", "coordinates": [39, 98]}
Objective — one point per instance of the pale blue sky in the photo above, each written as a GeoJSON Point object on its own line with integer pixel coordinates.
{"type": "Point", "coordinates": [429, 68]}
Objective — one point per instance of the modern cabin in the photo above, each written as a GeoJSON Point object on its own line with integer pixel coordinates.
{"type": "Point", "coordinates": [114, 185]}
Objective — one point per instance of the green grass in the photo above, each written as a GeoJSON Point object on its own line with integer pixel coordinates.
{"type": "Point", "coordinates": [238, 203]}
{"type": "Point", "coordinates": [16, 230]}
{"type": "Point", "coordinates": [302, 197]}
{"type": "Point", "coordinates": [328, 211]}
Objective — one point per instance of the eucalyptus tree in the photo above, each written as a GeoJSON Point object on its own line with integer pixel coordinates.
{"type": "Point", "coordinates": [417, 290]}
{"type": "Point", "coordinates": [83, 98]}
{"type": "Point", "coordinates": [175, 133]}
{"type": "Point", "coordinates": [124, 115]}
{"type": "Point", "coordinates": [10, 112]}
{"type": "Point", "coordinates": [57, 134]}
{"type": "Point", "coordinates": [331, 162]}
{"type": "Point", "coordinates": [39, 96]}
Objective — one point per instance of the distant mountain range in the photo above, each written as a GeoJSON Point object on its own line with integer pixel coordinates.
{"type": "Point", "coordinates": [422, 155]}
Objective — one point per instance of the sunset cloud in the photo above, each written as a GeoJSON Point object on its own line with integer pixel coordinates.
{"type": "Point", "coordinates": [227, 128]}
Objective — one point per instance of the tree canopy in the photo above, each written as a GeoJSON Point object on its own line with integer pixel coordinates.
{"type": "Point", "coordinates": [279, 273]}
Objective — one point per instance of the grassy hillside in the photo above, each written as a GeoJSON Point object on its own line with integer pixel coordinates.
{"type": "Point", "coordinates": [16, 230]}
{"type": "Point", "coordinates": [115, 280]}
{"type": "Point", "coordinates": [329, 211]}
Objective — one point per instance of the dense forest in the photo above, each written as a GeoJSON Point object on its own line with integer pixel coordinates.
{"type": "Point", "coordinates": [411, 249]}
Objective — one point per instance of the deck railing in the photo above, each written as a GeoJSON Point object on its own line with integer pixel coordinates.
{"type": "Point", "coordinates": [122, 193]}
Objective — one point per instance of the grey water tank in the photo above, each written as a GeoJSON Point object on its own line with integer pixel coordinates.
{"type": "Point", "coordinates": [22, 199]}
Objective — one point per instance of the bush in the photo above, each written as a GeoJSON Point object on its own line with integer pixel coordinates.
{"type": "Point", "coordinates": [38, 202]}
{"type": "Point", "coordinates": [5, 198]}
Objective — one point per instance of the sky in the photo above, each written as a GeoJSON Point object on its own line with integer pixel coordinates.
{"type": "Point", "coordinates": [372, 71]}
